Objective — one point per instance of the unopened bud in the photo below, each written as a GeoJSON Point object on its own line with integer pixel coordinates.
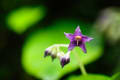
{"type": "Point", "coordinates": [64, 61]}
{"type": "Point", "coordinates": [47, 53]}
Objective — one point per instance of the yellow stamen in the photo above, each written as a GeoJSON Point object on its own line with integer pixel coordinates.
{"type": "Point", "coordinates": [78, 37]}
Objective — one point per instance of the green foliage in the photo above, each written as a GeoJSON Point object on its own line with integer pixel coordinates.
{"type": "Point", "coordinates": [23, 18]}
{"type": "Point", "coordinates": [116, 76]}
{"type": "Point", "coordinates": [33, 59]}
{"type": "Point", "coordinates": [90, 77]}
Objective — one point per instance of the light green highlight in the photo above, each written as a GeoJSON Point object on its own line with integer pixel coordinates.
{"type": "Point", "coordinates": [25, 17]}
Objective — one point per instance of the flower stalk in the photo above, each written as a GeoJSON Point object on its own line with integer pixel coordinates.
{"type": "Point", "coordinates": [81, 65]}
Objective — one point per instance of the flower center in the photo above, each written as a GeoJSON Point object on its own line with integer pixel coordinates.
{"type": "Point", "coordinates": [78, 38]}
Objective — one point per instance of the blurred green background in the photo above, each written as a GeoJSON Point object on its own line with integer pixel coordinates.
{"type": "Point", "coordinates": [28, 27]}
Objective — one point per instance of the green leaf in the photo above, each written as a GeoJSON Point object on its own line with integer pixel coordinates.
{"type": "Point", "coordinates": [90, 77]}
{"type": "Point", "coordinates": [116, 76]}
{"type": "Point", "coordinates": [23, 18]}
{"type": "Point", "coordinates": [33, 50]}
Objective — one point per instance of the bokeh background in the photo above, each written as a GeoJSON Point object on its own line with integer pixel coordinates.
{"type": "Point", "coordinates": [27, 27]}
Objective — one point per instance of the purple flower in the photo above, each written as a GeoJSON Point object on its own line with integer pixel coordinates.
{"type": "Point", "coordinates": [77, 39]}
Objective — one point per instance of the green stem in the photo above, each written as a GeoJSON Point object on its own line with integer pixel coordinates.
{"type": "Point", "coordinates": [81, 65]}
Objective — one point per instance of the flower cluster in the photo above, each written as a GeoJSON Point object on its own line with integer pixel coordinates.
{"type": "Point", "coordinates": [76, 40]}
{"type": "Point", "coordinates": [55, 52]}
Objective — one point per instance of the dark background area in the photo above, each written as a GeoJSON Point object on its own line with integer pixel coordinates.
{"type": "Point", "coordinates": [85, 10]}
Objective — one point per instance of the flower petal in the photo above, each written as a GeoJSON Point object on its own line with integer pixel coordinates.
{"type": "Point", "coordinates": [71, 46]}
{"type": "Point", "coordinates": [69, 35]}
{"type": "Point", "coordinates": [77, 31]}
{"type": "Point", "coordinates": [82, 46]}
{"type": "Point", "coordinates": [86, 39]}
